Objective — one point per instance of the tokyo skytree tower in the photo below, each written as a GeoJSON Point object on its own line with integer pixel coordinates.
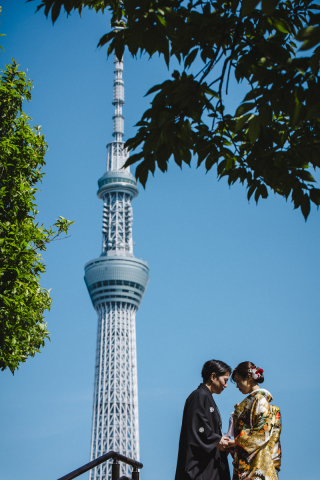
{"type": "Point", "coordinates": [116, 283]}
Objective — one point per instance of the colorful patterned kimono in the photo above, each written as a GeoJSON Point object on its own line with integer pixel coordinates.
{"type": "Point", "coordinates": [257, 427]}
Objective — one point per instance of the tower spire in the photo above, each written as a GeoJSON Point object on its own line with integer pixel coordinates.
{"type": "Point", "coordinates": [116, 153]}
{"type": "Point", "coordinates": [118, 101]}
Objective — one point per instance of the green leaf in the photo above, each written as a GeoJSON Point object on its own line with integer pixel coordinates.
{"type": "Point", "coordinates": [242, 121]}
{"type": "Point", "coordinates": [305, 175]}
{"type": "Point", "coordinates": [254, 129]}
{"type": "Point", "coordinates": [211, 160]}
{"type": "Point", "coordinates": [155, 88]}
{"type": "Point", "coordinates": [251, 190]}
{"type": "Point", "coordinates": [243, 108]}
{"type": "Point", "coordinates": [162, 20]}
{"type": "Point", "coordinates": [142, 172]}
{"type": "Point", "coordinates": [190, 58]}
{"type": "Point", "coordinates": [282, 26]}
{"type": "Point", "coordinates": [261, 191]}
{"type": "Point", "coordinates": [305, 206]}
{"type": "Point", "coordinates": [55, 11]}
{"type": "Point", "coordinates": [105, 39]}
{"type": "Point", "coordinates": [310, 36]}
{"type": "Point", "coordinates": [254, 93]}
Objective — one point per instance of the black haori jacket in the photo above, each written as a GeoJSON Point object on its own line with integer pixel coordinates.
{"type": "Point", "coordinates": [198, 457]}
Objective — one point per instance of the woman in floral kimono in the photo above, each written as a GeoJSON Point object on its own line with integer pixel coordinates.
{"type": "Point", "coordinates": [257, 427]}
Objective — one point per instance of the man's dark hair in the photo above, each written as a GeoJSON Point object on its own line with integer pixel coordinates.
{"type": "Point", "coordinates": [214, 366]}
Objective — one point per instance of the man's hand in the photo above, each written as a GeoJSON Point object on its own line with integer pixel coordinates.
{"type": "Point", "coordinates": [223, 444]}
{"type": "Point", "coordinates": [231, 443]}
{"type": "Point", "coordinates": [230, 446]}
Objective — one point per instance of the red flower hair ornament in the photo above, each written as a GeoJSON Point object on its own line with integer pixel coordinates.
{"type": "Point", "coordinates": [256, 372]}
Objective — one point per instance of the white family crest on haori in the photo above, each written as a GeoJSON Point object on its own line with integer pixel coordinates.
{"type": "Point", "coordinates": [201, 429]}
{"type": "Point", "coordinates": [211, 409]}
{"type": "Point", "coordinates": [116, 283]}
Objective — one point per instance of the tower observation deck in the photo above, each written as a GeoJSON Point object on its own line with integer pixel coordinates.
{"type": "Point", "coordinates": [116, 282]}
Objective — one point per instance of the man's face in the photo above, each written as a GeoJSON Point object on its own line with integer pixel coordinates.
{"type": "Point", "coordinates": [219, 383]}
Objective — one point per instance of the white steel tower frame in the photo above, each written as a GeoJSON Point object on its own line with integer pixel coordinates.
{"type": "Point", "coordinates": [116, 283]}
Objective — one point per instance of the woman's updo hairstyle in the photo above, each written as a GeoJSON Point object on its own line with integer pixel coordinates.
{"type": "Point", "coordinates": [214, 366]}
{"type": "Point", "coordinates": [243, 370]}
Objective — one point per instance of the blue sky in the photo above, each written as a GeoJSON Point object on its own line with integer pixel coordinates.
{"type": "Point", "coordinates": [228, 279]}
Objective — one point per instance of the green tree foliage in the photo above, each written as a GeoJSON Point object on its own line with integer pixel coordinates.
{"type": "Point", "coordinates": [22, 300]}
{"type": "Point", "coordinates": [272, 138]}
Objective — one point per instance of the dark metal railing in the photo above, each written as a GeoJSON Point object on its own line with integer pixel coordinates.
{"type": "Point", "coordinates": [115, 467]}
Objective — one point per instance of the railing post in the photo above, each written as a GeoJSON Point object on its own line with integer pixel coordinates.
{"type": "Point", "coordinates": [135, 474]}
{"type": "Point", "coordinates": [115, 469]}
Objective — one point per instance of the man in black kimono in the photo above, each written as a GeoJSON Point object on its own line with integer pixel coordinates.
{"type": "Point", "coordinates": [201, 453]}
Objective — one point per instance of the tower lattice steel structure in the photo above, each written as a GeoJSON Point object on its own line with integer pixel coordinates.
{"type": "Point", "coordinates": [116, 283]}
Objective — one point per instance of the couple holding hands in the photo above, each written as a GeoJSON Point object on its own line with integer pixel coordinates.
{"type": "Point", "coordinates": [255, 426]}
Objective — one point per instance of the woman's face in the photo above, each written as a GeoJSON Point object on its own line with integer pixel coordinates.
{"type": "Point", "coordinates": [218, 384]}
{"type": "Point", "coordinates": [245, 385]}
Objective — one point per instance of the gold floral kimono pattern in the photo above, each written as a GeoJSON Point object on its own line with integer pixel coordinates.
{"type": "Point", "coordinates": [257, 427]}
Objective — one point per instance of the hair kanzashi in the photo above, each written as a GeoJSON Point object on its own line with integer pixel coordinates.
{"type": "Point", "coordinates": [243, 370]}
{"type": "Point", "coordinates": [214, 366]}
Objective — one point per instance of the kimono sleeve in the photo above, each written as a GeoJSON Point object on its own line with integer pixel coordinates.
{"type": "Point", "coordinates": [202, 437]}
{"type": "Point", "coordinates": [254, 436]}
{"type": "Point", "coordinates": [275, 444]}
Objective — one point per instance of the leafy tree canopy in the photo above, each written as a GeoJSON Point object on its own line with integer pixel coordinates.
{"type": "Point", "coordinates": [22, 300]}
{"type": "Point", "coordinates": [272, 138]}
